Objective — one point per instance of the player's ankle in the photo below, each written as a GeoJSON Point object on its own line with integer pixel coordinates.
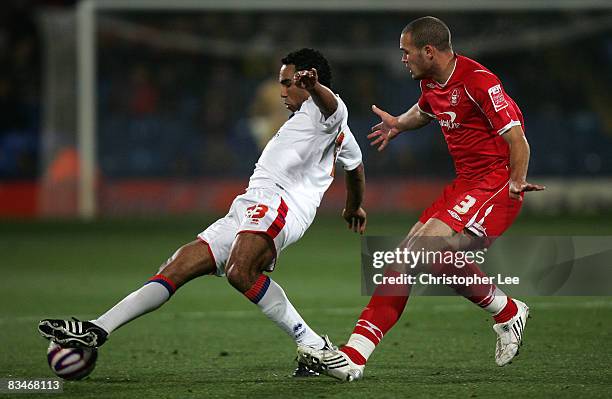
{"type": "Point", "coordinates": [508, 312]}
{"type": "Point", "coordinates": [354, 355]}
{"type": "Point", "coordinates": [315, 342]}
{"type": "Point", "coordinates": [98, 324]}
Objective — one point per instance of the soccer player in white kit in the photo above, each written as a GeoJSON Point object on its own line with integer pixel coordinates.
{"type": "Point", "coordinates": [290, 178]}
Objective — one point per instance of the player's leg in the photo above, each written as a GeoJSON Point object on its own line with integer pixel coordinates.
{"type": "Point", "coordinates": [492, 212]}
{"type": "Point", "coordinates": [480, 213]}
{"type": "Point", "coordinates": [510, 314]}
{"type": "Point", "coordinates": [251, 254]}
{"type": "Point", "coordinates": [488, 297]}
{"type": "Point", "coordinates": [380, 314]}
{"type": "Point", "coordinates": [382, 311]}
{"type": "Point", "coordinates": [385, 308]}
{"type": "Point", "coordinates": [188, 262]}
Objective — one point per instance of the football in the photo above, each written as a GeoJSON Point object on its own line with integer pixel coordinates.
{"type": "Point", "coordinates": [71, 363]}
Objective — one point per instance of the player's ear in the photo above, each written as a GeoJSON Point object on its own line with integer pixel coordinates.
{"type": "Point", "coordinates": [428, 50]}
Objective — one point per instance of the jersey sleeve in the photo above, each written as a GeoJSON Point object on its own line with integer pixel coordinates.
{"type": "Point", "coordinates": [350, 153]}
{"type": "Point", "coordinates": [334, 121]}
{"type": "Point", "coordinates": [485, 89]}
{"type": "Point", "coordinates": [424, 106]}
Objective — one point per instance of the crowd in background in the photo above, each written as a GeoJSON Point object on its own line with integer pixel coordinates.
{"type": "Point", "coordinates": [208, 109]}
{"type": "Point", "coordinates": [20, 92]}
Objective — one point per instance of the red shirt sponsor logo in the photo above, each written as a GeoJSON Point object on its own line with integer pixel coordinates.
{"type": "Point", "coordinates": [450, 122]}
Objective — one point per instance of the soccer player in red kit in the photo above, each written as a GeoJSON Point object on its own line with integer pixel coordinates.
{"type": "Point", "coordinates": [483, 128]}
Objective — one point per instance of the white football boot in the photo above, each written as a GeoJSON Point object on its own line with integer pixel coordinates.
{"type": "Point", "coordinates": [510, 335]}
{"type": "Point", "coordinates": [303, 369]}
{"type": "Point", "coordinates": [331, 362]}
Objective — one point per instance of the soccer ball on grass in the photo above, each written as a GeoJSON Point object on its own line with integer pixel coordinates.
{"type": "Point", "coordinates": [71, 363]}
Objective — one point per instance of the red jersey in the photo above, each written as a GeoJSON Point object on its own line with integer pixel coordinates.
{"type": "Point", "coordinates": [473, 111]}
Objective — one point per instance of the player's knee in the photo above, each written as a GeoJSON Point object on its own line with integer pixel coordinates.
{"type": "Point", "coordinates": [433, 235]}
{"type": "Point", "coordinates": [169, 261]}
{"type": "Point", "coordinates": [240, 274]}
{"type": "Point", "coordinates": [189, 261]}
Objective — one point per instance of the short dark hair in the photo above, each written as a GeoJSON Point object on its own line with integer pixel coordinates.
{"type": "Point", "coordinates": [429, 30]}
{"type": "Point", "coordinates": [308, 58]}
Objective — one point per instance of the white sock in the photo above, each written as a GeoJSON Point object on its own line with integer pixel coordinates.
{"type": "Point", "coordinates": [273, 302]}
{"type": "Point", "coordinates": [144, 300]}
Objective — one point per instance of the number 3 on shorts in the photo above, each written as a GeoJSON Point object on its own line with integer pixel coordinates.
{"type": "Point", "coordinates": [256, 211]}
{"type": "Point", "coordinates": [465, 205]}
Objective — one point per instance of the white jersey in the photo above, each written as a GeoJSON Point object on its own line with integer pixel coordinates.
{"type": "Point", "coordinates": [300, 159]}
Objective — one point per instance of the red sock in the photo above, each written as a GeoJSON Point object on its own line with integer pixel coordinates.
{"type": "Point", "coordinates": [355, 356]}
{"type": "Point", "coordinates": [381, 313]}
{"type": "Point", "coordinates": [508, 312]}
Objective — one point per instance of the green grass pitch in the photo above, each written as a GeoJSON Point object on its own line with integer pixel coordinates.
{"type": "Point", "coordinates": [209, 341]}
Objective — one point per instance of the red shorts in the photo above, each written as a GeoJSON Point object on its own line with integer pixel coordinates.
{"type": "Point", "coordinates": [483, 207]}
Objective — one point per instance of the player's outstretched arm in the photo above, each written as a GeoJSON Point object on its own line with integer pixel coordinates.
{"type": "Point", "coordinates": [322, 96]}
{"type": "Point", "coordinates": [390, 126]}
{"type": "Point", "coordinates": [353, 213]}
{"type": "Point", "coordinates": [519, 162]}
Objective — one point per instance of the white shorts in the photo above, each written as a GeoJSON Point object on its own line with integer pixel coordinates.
{"type": "Point", "coordinates": [259, 210]}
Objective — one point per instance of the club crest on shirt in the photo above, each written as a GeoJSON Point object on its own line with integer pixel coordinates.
{"type": "Point", "coordinates": [497, 98]}
{"type": "Point", "coordinates": [454, 97]}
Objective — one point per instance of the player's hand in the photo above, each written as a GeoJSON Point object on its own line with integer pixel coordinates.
{"type": "Point", "coordinates": [386, 130]}
{"type": "Point", "coordinates": [356, 219]}
{"type": "Point", "coordinates": [306, 79]}
{"type": "Point", "coordinates": [516, 188]}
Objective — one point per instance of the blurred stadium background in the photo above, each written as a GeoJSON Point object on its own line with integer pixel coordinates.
{"type": "Point", "coordinates": [165, 106]}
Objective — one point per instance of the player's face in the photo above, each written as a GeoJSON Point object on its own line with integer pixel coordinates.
{"type": "Point", "coordinates": [415, 59]}
{"type": "Point", "coordinates": [292, 96]}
